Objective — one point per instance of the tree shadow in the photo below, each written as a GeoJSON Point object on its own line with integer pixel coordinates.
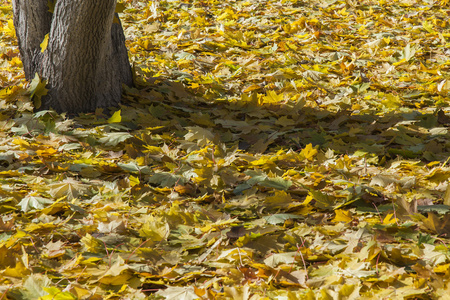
{"type": "Point", "coordinates": [262, 128]}
{"type": "Point", "coordinates": [165, 110]}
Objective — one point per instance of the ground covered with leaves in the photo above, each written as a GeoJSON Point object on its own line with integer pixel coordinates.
{"type": "Point", "coordinates": [270, 149]}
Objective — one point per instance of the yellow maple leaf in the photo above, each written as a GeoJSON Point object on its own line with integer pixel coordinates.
{"type": "Point", "coordinates": [309, 152]}
{"type": "Point", "coordinates": [392, 101]}
{"type": "Point", "coordinates": [116, 117]}
{"type": "Point", "coordinates": [342, 216]}
{"type": "Point", "coordinates": [390, 219]}
{"type": "Point", "coordinates": [9, 30]}
{"type": "Point", "coordinates": [272, 98]}
{"type": "Point", "coordinates": [428, 26]}
{"type": "Point", "coordinates": [252, 98]}
{"type": "Point", "coordinates": [133, 180]}
{"type": "Point", "coordinates": [46, 152]}
{"type": "Point", "coordinates": [92, 244]}
{"type": "Point", "coordinates": [44, 43]}
{"type": "Point", "coordinates": [18, 271]}
{"type": "Point", "coordinates": [155, 229]}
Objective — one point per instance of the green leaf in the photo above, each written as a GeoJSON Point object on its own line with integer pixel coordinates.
{"type": "Point", "coordinates": [439, 208]}
{"type": "Point", "coordinates": [166, 179]}
{"type": "Point", "coordinates": [114, 138]}
{"type": "Point", "coordinates": [280, 218]}
{"type": "Point", "coordinates": [322, 200]}
{"type": "Point", "coordinates": [276, 183]}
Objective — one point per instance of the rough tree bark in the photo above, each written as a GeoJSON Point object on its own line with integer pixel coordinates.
{"type": "Point", "coordinates": [86, 61]}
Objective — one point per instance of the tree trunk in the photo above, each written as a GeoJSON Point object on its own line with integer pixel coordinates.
{"type": "Point", "coordinates": [85, 62]}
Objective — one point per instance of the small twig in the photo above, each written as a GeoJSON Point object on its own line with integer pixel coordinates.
{"type": "Point", "coordinates": [126, 260]}
{"type": "Point", "coordinates": [440, 240]}
{"type": "Point", "coordinates": [276, 275]}
{"type": "Point", "coordinates": [112, 252]}
{"type": "Point", "coordinates": [240, 257]}
{"type": "Point", "coordinates": [448, 159]}
{"type": "Point", "coordinates": [34, 245]}
{"type": "Point", "coordinates": [204, 256]}
{"type": "Point", "coordinates": [298, 250]}
{"type": "Point", "coordinates": [365, 165]}
{"type": "Point", "coordinates": [78, 278]}
{"type": "Point", "coordinates": [4, 294]}
{"type": "Point", "coordinates": [303, 260]}
{"type": "Point", "coordinates": [379, 214]}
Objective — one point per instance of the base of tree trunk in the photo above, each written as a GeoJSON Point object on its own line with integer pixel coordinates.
{"type": "Point", "coordinates": [85, 62]}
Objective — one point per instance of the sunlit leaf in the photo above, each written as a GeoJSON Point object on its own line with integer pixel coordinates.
{"type": "Point", "coordinates": [34, 286]}
{"type": "Point", "coordinates": [272, 98]}
{"type": "Point", "coordinates": [44, 43]}
{"type": "Point", "coordinates": [69, 188]}
{"type": "Point", "coordinates": [182, 293]}
{"type": "Point", "coordinates": [29, 203]}
{"type": "Point", "coordinates": [342, 216]}
{"type": "Point", "coordinates": [154, 229]}
{"type": "Point", "coordinates": [57, 294]}
{"type": "Point", "coordinates": [280, 258]}
{"type": "Point", "coordinates": [116, 117]}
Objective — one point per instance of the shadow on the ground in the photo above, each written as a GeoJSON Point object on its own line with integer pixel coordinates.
{"type": "Point", "coordinates": [256, 128]}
